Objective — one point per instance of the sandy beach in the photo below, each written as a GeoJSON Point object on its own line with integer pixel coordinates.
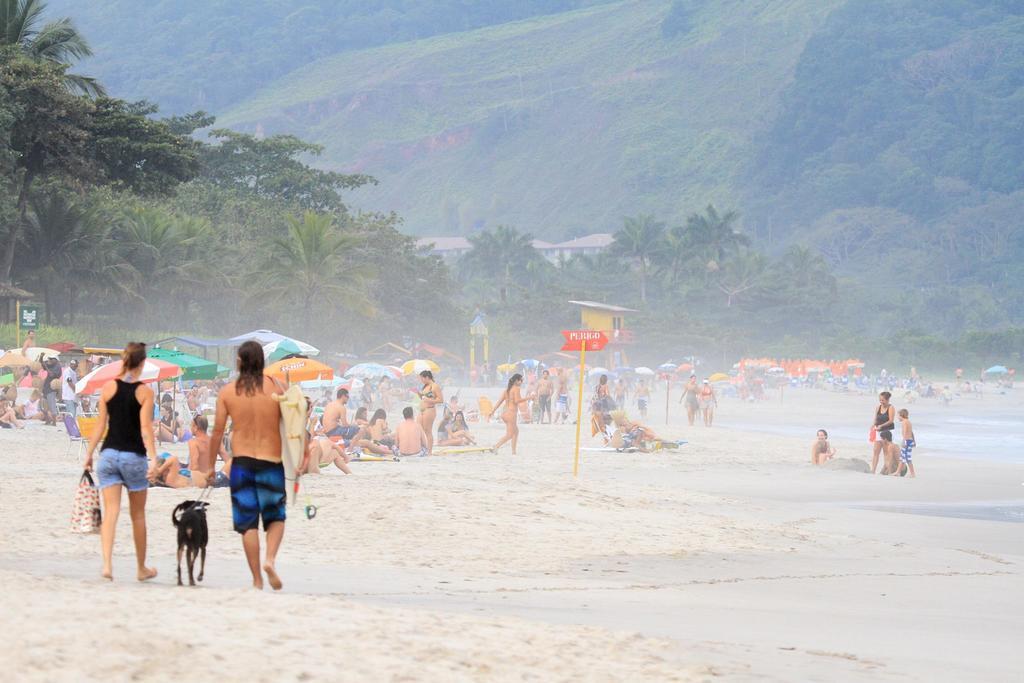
{"type": "Point", "coordinates": [730, 559]}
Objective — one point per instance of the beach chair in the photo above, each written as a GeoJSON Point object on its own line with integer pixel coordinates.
{"type": "Point", "coordinates": [486, 408]}
{"type": "Point", "coordinates": [74, 435]}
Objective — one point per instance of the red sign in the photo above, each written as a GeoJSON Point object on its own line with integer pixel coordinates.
{"type": "Point", "coordinates": [575, 339]}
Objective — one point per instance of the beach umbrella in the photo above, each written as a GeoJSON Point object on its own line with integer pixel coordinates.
{"type": "Point", "coordinates": [331, 383]}
{"type": "Point", "coordinates": [645, 371]}
{"type": "Point", "coordinates": [65, 347]}
{"type": "Point", "coordinates": [369, 371]}
{"type": "Point", "coordinates": [14, 359]}
{"type": "Point", "coordinates": [299, 370]}
{"type": "Point", "coordinates": [598, 371]}
{"type": "Point", "coordinates": [354, 384]}
{"type": "Point", "coordinates": [282, 348]}
{"type": "Point", "coordinates": [395, 370]}
{"type": "Point", "coordinates": [994, 370]}
{"type": "Point", "coordinates": [506, 367]}
{"type": "Point", "coordinates": [192, 367]}
{"type": "Point", "coordinates": [35, 352]}
{"type": "Point", "coordinates": [264, 337]}
{"type": "Point", "coordinates": [719, 377]}
{"type": "Point", "coordinates": [153, 370]}
{"type": "Point", "coordinates": [417, 365]}
{"type": "Point", "coordinates": [530, 363]}
{"type": "Point", "coordinates": [667, 367]}
{"type": "Point", "coordinates": [623, 370]}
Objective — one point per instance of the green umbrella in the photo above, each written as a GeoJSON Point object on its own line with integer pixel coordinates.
{"type": "Point", "coordinates": [192, 367]}
{"type": "Point", "coordinates": [282, 348]}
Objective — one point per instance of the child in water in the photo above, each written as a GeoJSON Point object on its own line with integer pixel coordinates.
{"type": "Point", "coordinates": [908, 442]}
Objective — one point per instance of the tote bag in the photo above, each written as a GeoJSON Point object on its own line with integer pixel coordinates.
{"type": "Point", "coordinates": [85, 513]}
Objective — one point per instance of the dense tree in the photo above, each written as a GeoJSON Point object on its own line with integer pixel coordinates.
{"type": "Point", "coordinates": [273, 168]}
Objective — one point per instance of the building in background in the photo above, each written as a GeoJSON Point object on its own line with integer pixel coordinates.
{"type": "Point", "coordinates": [451, 248]}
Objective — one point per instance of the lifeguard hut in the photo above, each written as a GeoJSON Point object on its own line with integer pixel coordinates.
{"type": "Point", "coordinates": [610, 319]}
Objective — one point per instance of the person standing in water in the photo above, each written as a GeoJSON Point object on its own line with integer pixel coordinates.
{"type": "Point", "coordinates": [885, 420]}
{"type": "Point", "coordinates": [430, 396]}
{"type": "Point", "coordinates": [512, 398]}
{"type": "Point", "coordinates": [128, 455]}
{"type": "Point", "coordinates": [257, 475]}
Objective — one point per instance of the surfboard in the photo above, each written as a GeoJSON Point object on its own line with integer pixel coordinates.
{"type": "Point", "coordinates": [456, 450]}
{"type": "Point", "coordinates": [293, 436]}
{"type": "Point", "coordinates": [374, 459]}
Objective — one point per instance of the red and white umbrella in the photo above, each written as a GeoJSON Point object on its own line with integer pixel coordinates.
{"type": "Point", "coordinates": [153, 370]}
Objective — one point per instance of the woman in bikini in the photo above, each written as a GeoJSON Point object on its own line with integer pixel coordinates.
{"type": "Point", "coordinates": [708, 401]}
{"type": "Point", "coordinates": [512, 398]}
{"type": "Point", "coordinates": [430, 396]}
{"type": "Point", "coordinates": [373, 437]}
{"type": "Point", "coordinates": [690, 397]}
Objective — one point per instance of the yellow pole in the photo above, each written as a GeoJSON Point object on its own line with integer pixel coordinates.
{"type": "Point", "coordinates": [17, 324]}
{"type": "Point", "coordinates": [579, 411]}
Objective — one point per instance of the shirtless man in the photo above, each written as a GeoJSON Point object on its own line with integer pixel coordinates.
{"type": "Point", "coordinates": [257, 476]}
{"type": "Point", "coordinates": [562, 402]}
{"type": "Point", "coordinates": [545, 387]}
{"type": "Point", "coordinates": [336, 417]}
{"type": "Point", "coordinates": [410, 437]}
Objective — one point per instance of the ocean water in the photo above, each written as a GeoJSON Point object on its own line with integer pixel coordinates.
{"type": "Point", "coordinates": [1010, 511]}
{"type": "Point", "coordinates": [995, 437]}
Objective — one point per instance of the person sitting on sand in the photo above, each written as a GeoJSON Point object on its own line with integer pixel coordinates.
{"type": "Point", "coordinates": [34, 408]}
{"type": "Point", "coordinates": [323, 451]}
{"type": "Point", "coordinates": [200, 456]}
{"type": "Point", "coordinates": [906, 460]}
{"type": "Point", "coordinates": [454, 431]}
{"type": "Point", "coordinates": [410, 438]}
{"type": "Point", "coordinates": [170, 473]}
{"type": "Point", "coordinates": [822, 450]}
{"type": "Point", "coordinates": [372, 436]}
{"type": "Point", "coordinates": [335, 419]}
{"type": "Point", "coordinates": [8, 418]}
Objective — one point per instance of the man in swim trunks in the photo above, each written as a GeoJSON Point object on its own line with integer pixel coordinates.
{"type": "Point", "coordinates": [545, 387]}
{"type": "Point", "coordinates": [257, 476]}
{"type": "Point", "coordinates": [410, 438]}
{"type": "Point", "coordinates": [335, 421]}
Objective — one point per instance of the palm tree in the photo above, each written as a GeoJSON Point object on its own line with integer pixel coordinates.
{"type": "Point", "coordinates": [505, 252]}
{"type": "Point", "coordinates": [57, 41]}
{"type": "Point", "coordinates": [640, 237]}
{"type": "Point", "coordinates": [713, 236]}
{"type": "Point", "coordinates": [676, 252]}
{"type": "Point", "coordinates": [305, 267]}
{"type": "Point", "coordinates": [165, 256]}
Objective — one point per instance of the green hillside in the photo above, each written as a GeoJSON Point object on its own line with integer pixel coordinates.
{"type": "Point", "coordinates": [559, 124]}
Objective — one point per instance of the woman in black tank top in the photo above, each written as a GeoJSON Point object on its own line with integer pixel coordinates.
{"type": "Point", "coordinates": [883, 425]}
{"type": "Point", "coordinates": [126, 417]}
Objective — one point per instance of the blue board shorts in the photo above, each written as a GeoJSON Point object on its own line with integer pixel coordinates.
{"type": "Point", "coordinates": [123, 467]}
{"type": "Point", "coordinates": [257, 492]}
{"type": "Point", "coordinates": [344, 432]}
{"type": "Point", "coordinates": [906, 453]}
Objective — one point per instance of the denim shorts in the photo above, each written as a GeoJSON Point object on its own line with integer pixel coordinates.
{"type": "Point", "coordinates": [123, 467]}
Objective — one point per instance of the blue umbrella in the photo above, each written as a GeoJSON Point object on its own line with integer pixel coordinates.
{"type": "Point", "coordinates": [667, 367]}
{"type": "Point", "coordinates": [369, 371]}
{"type": "Point", "coordinates": [997, 370]}
{"type": "Point", "coordinates": [530, 363]}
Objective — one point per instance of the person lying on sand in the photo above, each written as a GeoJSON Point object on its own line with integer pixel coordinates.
{"type": "Point", "coordinates": [323, 451]}
{"type": "Point", "coordinates": [822, 450]}
{"type": "Point", "coordinates": [633, 434]}
{"type": "Point", "coordinates": [170, 473]}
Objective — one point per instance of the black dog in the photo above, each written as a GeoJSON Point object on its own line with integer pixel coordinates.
{"type": "Point", "coordinates": [190, 519]}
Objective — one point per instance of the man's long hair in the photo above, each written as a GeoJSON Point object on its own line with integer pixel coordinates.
{"type": "Point", "coordinates": [250, 369]}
